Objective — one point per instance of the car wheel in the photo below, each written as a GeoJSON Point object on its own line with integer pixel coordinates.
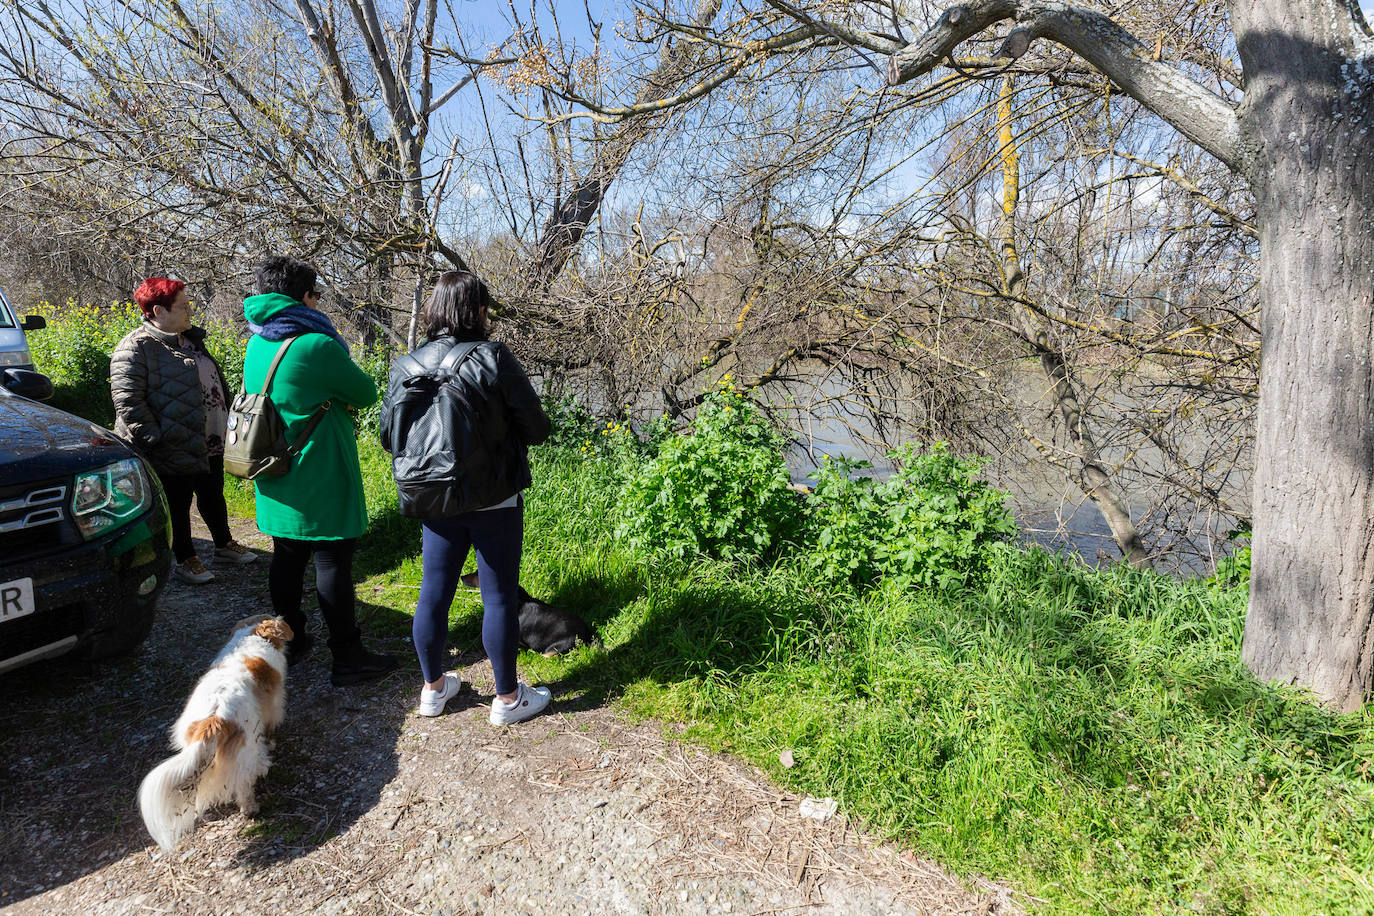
{"type": "Point", "coordinates": [121, 641]}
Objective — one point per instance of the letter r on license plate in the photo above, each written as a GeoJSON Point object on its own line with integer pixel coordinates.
{"type": "Point", "coordinates": [16, 599]}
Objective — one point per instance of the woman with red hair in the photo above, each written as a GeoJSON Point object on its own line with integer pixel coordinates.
{"type": "Point", "coordinates": [171, 401]}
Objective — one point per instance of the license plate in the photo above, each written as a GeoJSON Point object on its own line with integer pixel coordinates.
{"type": "Point", "coordinates": [16, 599]}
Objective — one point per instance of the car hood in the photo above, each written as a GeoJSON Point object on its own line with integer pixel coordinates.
{"type": "Point", "coordinates": [12, 339]}
{"type": "Point", "coordinates": [38, 442]}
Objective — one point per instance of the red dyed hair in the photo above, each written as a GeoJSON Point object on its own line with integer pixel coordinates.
{"type": "Point", "coordinates": [156, 291]}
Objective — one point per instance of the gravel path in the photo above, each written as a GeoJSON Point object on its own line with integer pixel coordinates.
{"type": "Point", "coordinates": [372, 809]}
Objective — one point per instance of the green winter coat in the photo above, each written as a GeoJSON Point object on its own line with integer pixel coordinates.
{"type": "Point", "coordinates": [321, 497]}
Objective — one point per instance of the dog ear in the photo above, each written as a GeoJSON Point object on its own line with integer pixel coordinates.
{"type": "Point", "coordinates": [251, 621]}
{"type": "Point", "coordinates": [274, 630]}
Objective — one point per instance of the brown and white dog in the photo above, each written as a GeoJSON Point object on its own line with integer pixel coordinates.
{"type": "Point", "coordinates": [223, 734]}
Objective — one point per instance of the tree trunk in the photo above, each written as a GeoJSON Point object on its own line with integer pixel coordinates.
{"type": "Point", "coordinates": [1310, 112]}
{"type": "Point", "coordinates": [573, 214]}
{"type": "Point", "coordinates": [1093, 475]}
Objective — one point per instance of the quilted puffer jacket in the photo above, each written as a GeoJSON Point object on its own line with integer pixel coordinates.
{"type": "Point", "coordinates": [457, 425]}
{"type": "Point", "coordinates": [159, 405]}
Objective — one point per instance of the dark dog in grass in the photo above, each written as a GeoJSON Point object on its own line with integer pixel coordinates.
{"type": "Point", "coordinates": [545, 628]}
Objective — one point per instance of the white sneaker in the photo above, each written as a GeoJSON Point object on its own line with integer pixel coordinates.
{"type": "Point", "coordinates": [529, 702]}
{"type": "Point", "coordinates": [432, 702]}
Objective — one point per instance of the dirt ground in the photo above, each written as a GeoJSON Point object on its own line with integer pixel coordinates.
{"type": "Point", "coordinates": [370, 808]}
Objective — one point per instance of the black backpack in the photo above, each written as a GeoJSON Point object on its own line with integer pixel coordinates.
{"type": "Point", "coordinates": [436, 426]}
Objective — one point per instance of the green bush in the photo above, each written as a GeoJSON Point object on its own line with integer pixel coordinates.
{"type": "Point", "coordinates": [376, 362]}
{"type": "Point", "coordinates": [718, 490]}
{"type": "Point", "coordinates": [577, 429]}
{"type": "Point", "coordinates": [931, 523]}
{"type": "Point", "coordinates": [1234, 570]}
{"type": "Point", "coordinates": [573, 425]}
{"type": "Point", "coordinates": [74, 351]}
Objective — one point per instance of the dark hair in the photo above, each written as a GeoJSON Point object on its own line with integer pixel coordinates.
{"type": "Point", "coordinates": [156, 291]}
{"type": "Point", "coordinates": [289, 276]}
{"type": "Point", "coordinates": [455, 307]}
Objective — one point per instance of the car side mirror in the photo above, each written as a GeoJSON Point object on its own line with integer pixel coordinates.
{"type": "Point", "coordinates": [33, 323]}
{"type": "Point", "coordinates": [27, 384]}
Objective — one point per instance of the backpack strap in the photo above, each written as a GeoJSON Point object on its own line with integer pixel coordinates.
{"type": "Point", "coordinates": [295, 448]}
{"type": "Point", "coordinates": [304, 437]}
{"type": "Point", "coordinates": [454, 358]}
{"type": "Point", "coordinates": [276, 361]}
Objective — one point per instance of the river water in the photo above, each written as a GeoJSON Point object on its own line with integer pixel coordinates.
{"type": "Point", "coordinates": [1049, 509]}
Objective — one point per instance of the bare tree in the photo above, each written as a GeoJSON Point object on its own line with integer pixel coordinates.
{"type": "Point", "coordinates": [209, 133]}
{"type": "Point", "coordinates": [1299, 136]}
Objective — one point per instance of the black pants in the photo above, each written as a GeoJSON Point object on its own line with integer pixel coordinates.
{"type": "Point", "coordinates": [333, 585]}
{"type": "Point", "coordinates": [208, 490]}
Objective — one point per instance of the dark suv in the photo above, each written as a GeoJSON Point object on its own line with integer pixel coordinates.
{"type": "Point", "coordinates": [84, 550]}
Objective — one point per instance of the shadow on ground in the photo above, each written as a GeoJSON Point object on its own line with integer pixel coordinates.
{"type": "Point", "coordinates": [77, 738]}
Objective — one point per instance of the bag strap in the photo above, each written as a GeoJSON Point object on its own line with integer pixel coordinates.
{"type": "Point", "coordinates": [276, 361]}
{"type": "Point", "coordinates": [309, 430]}
{"type": "Point", "coordinates": [450, 364]}
{"type": "Point", "coordinates": [315, 418]}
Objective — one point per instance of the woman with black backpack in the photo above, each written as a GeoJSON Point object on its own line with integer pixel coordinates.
{"type": "Point", "coordinates": [458, 417]}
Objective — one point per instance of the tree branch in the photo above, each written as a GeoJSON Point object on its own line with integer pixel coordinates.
{"type": "Point", "coordinates": [1196, 112]}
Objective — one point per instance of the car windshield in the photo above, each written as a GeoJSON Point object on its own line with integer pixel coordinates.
{"type": "Point", "coordinates": [6, 313]}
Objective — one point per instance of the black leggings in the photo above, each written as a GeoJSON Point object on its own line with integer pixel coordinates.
{"type": "Point", "coordinates": [333, 585]}
{"type": "Point", "coordinates": [208, 490]}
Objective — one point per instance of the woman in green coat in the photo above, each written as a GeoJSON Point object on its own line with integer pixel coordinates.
{"type": "Point", "coordinates": [317, 507]}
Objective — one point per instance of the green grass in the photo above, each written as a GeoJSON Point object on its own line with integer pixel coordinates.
{"type": "Point", "coordinates": [1088, 736]}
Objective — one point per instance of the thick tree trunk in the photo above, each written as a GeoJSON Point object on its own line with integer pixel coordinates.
{"type": "Point", "coordinates": [1308, 112]}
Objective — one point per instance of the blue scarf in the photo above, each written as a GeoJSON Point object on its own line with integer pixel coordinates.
{"type": "Point", "coordinates": [297, 319]}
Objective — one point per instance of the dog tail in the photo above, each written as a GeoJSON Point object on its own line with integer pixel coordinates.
{"type": "Point", "coordinates": [167, 797]}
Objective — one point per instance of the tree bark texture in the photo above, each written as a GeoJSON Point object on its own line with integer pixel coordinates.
{"type": "Point", "coordinates": [1309, 115]}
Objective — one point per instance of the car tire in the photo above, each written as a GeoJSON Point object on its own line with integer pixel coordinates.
{"type": "Point", "coordinates": [122, 641]}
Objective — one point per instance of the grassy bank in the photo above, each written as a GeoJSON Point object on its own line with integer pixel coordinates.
{"type": "Point", "coordinates": [1088, 735]}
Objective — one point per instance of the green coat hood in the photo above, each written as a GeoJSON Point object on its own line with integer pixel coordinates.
{"type": "Point", "coordinates": [257, 309]}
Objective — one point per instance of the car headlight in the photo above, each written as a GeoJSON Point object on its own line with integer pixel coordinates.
{"type": "Point", "coordinates": [107, 498]}
{"type": "Point", "coordinates": [14, 358]}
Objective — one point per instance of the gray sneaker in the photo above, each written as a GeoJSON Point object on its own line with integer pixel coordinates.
{"type": "Point", "coordinates": [529, 702]}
